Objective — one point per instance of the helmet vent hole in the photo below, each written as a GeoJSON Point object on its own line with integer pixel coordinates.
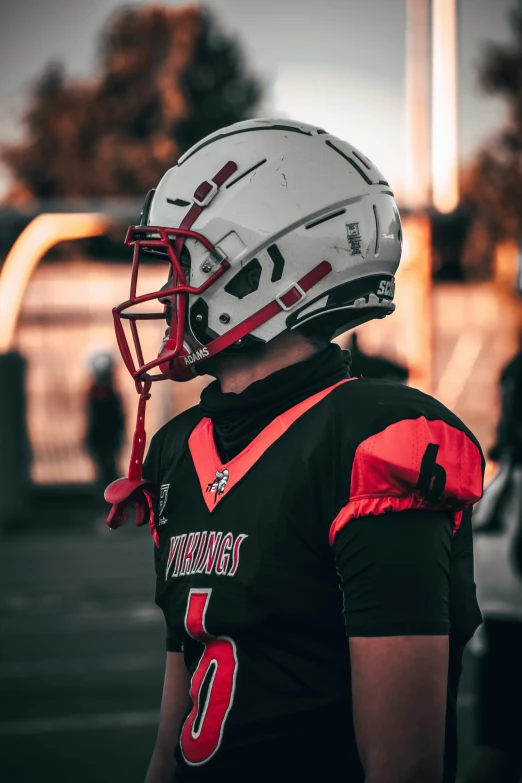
{"type": "Point", "coordinates": [246, 173]}
{"type": "Point", "coordinates": [278, 262]}
{"type": "Point", "coordinates": [178, 202]}
{"type": "Point", "coordinates": [359, 157]}
{"type": "Point", "coordinates": [246, 281]}
{"type": "Point", "coordinates": [377, 229]}
{"type": "Point", "coordinates": [351, 161]}
{"type": "Point", "coordinates": [324, 219]}
{"type": "Point", "coordinates": [219, 136]}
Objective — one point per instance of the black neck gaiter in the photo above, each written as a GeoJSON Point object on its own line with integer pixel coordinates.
{"type": "Point", "coordinates": [239, 418]}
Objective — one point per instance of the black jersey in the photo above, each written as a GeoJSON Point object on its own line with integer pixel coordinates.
{"type": "Point", "coordinates": [252, 561]}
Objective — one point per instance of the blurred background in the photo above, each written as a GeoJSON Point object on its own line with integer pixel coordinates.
{"type": "Point", "coordinates": [97, 100]}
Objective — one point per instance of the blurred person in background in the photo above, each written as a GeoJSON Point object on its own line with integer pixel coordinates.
{"type": "Point", "coordinates": [313, 552]}
{"type": "Point", "coordinates": [105, 418]}
{"type": "Point", "coordinates": [497, 523]}
{"type": "Point", "coordinates": [508, 446]}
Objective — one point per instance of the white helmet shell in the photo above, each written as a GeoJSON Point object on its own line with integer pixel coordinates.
{"type": "Point", "coordinates": [299, 196]}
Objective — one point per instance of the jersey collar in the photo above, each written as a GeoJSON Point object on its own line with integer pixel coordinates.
{"type": "Point", "coordinates": [216, 478]}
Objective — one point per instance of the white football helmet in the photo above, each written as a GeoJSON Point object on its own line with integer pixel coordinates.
{"type": "Point", "coordinates": [265, 225]}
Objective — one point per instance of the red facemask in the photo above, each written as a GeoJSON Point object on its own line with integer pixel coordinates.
{"type": "Point", "coordinates": [169, 241]}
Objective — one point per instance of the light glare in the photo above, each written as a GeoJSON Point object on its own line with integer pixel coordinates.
{"type": "Point", "coordinates": [36, 239]}
{"type": "Point", "coordinates": [444, 106]}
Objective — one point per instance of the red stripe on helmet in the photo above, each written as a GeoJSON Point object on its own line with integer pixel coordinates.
{"type": "Point", "coordinates": [179, 364]}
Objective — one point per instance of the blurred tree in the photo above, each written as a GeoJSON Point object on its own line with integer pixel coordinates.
{"type": "Point", "coordinates": [167, 78]}
{"type": "Point", "coordinates": [492, 186]}
{"type": "Point", "coordinates": [216, 89]}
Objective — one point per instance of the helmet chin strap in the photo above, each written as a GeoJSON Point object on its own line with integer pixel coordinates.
{"type": "Point", "coordinates": [134, 489]}
{"type": "Point", "coordinates": [179, 367]}
{"type": "Point", "coordinates": [140, 436]}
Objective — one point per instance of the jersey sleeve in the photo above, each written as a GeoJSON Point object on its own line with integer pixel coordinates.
{"type": "Point", "coordinates": [411, 472]}
{"type": "Point", "coordinates": [413, 463]}
{"type": "Point", "coordinates": [395, 573]}
{"type": "Point", "coordinates": [405, 573]}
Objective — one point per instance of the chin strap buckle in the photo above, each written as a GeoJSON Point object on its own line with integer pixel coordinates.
{"type": "Point", "coordinates": [290, 296]}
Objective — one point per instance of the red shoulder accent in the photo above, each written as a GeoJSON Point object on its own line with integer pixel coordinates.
{"type": "Point", "coordinates": [415, 463]}
{"type": "Point", "coordinates": [207, 460]}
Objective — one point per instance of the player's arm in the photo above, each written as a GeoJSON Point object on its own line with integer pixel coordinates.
{"type": "Point", "coordinates": [403, 552]}
{"type": "Point", "coordinates": [174, 704]}
{"type": "Point", "coordinates": [395, 574]}
{"type": "Point", "coordinates": [399, 686]}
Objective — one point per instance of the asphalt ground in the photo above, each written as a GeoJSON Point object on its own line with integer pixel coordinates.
{"type": "Point", "coordinates": [82, 655]}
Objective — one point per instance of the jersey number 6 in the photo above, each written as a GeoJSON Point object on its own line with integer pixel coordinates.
{"type": "Point", "coordinates": [432, 476]}
{"type": "Point", "coordinates": [212, 686]}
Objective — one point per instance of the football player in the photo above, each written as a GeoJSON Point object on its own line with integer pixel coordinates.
{"type": "Point", "coordinates": [105, 418]}
{"type": "Point", "coordinates": [312, 530]}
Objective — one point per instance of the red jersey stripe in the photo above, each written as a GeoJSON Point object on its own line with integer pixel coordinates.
{"type": "Point", "coordinates": [387, 466]}
{"type": "Point", "coordinates": [207, 460]}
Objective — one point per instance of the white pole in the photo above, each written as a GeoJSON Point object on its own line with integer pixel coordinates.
{"type": "Point", "coordinates": [444, 106]}
{"type": "Point", "coordinates": [418, 153]}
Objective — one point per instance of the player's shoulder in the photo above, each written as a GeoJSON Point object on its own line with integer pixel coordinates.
{"type": "Point", "coordinates": [369, 406]}
{"type": "Point", "coordinates": [403, 450]}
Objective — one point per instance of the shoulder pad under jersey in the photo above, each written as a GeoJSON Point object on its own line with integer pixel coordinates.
{"type": "Point", "coordinates": [405, 451]}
